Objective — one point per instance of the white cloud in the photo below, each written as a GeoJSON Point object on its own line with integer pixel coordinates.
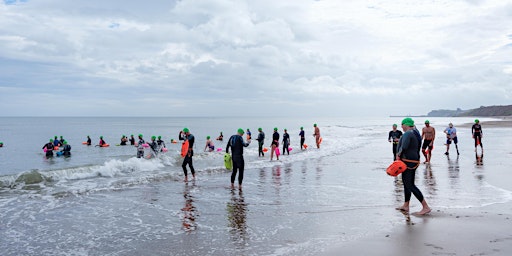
{"type": "Point", "coordinates": [248, 56]}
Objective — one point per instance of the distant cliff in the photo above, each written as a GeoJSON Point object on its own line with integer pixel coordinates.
{"type": "Point", "coordinates": [481, 111]}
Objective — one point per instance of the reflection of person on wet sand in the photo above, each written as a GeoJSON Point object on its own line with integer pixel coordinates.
{"type": "Point", "coordinates": [189, 211]}
{"type": "Point", "coordinates": [479, 158]}
{"type": "Point", "coordinates": [237, 217]}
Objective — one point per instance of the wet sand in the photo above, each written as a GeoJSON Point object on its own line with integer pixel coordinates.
{"type": "Point", "coordinates": [472, 230]}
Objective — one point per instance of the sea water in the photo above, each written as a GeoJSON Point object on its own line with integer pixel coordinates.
{"type": "Point", "coordinates": [105, 201]}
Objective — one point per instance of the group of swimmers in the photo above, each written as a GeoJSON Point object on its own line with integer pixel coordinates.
{"type": "Point", "coordinates": [54, 145]}
{"type": "Point", "coordinates": [428, 134]}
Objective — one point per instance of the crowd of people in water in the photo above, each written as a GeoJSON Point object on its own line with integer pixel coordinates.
{"type": "Point", "coordinates": [60, 147]}
{"type": "Point", "coordinates": [406, 148]}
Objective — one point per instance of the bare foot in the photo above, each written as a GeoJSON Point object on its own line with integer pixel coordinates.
{"type": "Point", "coordinates": [402, 209]}
{"type": "Point", "coordinates": [423, 211]}
{"type": "Point", "coordinates": [186, 179]}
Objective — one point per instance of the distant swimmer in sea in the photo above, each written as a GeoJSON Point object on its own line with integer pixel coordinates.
{"type": "Point", "coordinates": [261, 140]}
{"type": "Point", "coordinates": [409, 152]}
{"type": "Point", "coordinates": [187, 136]}
{"type": "Point", "coordinates": [1, 144]}
{"type": "Point", "coordinates": [56, 142]}
{"type": "Point", "coordinates": [451, 135]}
{"type": "Point", "coordinates": [302, 138]}
{"type": "Point", "coordinates": [316, 134]}
{"type": "Point", "coordinates": [476, 131]}
{"type": "Point", "coordinates": [221, 137]}
{"type": "Point", "coordinates": [393, 137]}
{"type": "Point", "coordinates": [132, 140]}
{"type": "Point", "coordinates": [161, 143]}
{"type": "Point", "coordinates": [286, 142]}
{"type": "Point", "coordinates": [66, 150]}
{"type": "Point", "coordinates": [274, 145]}
{"type": "Point", "coordinates": [237, 144]}
{"type": "Point", "coordinates": [48, 148]}
{"type": "Point", "coordinates": [124, 139]}
{"type": "Point", "coordinates": [428, 133]}
{"type": "Point", "coordinates": [102, 142]}
{"type": "Point", "coordinates": [248, 134]}
{"type": "Point", "coordinates": [154, 146]}
{"type": "Point", "coordinates": [209, 145]}
{"type": "Point", "coordinates": [140, 147]}
{"type": "Point", "coordinates": [89, 140]}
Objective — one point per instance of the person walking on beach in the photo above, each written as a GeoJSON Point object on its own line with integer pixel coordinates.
{"type": "Point", "coordinates": [140, 147]}
{"type": "Point", "coordinates": [260, 139]}
{"type": "Point", "coordinates": [317, 135]}
{"type": "Point", "coordinates": [274, 144]}
{"type": "Point", "coordinates": [451, 135]}
{"type": "Point", "coordinates": [286, 142]}
{"type": "Point", "coordinates": [428, 133]}
{"type": "Point", "coordinates": [302, 138]}
{"type": "Point", "coordinates": [186, 135]}
{"type": "Point", "coordinates": [409, 152]}
{"type": "Point", "coordinates": [476, 131]}
{"type": "Point", "coordinates": [237, 144]}
{"type": "Point", "coordinates": [393, 137]}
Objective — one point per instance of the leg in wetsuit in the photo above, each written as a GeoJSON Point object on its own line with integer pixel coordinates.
{"type": "Point", "coordinates": [285, 148]}
{"type": "Point", "coordinates": [238, 165]}
{"type": "Point", "coordinates": [188, 160]}
{"type": "Point", "coordinates": [409, 187]}
{"type": "Point", "coordinates": [395, 149]}
{"type": "Point", "coordinates": [302, 143]}
{"type": "Point", "coordinates": [260, 148]}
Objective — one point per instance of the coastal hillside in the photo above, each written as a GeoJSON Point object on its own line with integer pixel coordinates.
{"type": "Point", "coordinates": [481, 111]}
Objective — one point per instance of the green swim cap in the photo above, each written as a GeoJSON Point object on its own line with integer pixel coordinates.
{"type": "Point", "coordinates": [259, 129]}
{"type": "Point", "coordinates": [159, 137]}
{"type": "Point", "coordinates": [101, 137]}
{"type": "Point", "coordinates": [301, 127]}
{"type": "Point", "coordinates": [153, 137]}
{"type": "Point", "coordinates": [185, 129]}
{"type": "Point", "coordinates": [240, 131]}
{"type": "Point", "coordinates": [285, 129]}
{"type": "Point", "coordinates": [275, 128]}
{"type": "Point", "coordinates": [65, 142]}
{"type": "Point", "coordinates": [427, 121]}
{"type": "Point", "coordinates": [207, 137]}
{"type": "Point", "coordinates": [394, 125]}
{"type": "Point", "coordinates": [314, 125]}
{"type": "Point", "coordinates": [476, 120]}
{"type": "Point", "coordinates": [51, 140]}
{"type": "Point", "coordinates": [408, 121]}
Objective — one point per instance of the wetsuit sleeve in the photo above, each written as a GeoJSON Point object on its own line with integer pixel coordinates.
{"type": "Point", "coordinates": [229, 144]}
{"type": "Point", "coordinates": [389, 136]}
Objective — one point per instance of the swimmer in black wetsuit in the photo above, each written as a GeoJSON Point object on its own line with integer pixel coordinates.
{"type": "Point", "coordinates": [260, 139]}
{"type": "Point", "coordinates": [221, 137]}
{"type": "Point", "coordinates": [124, 139]}
{"type": "Point", "coordinates": [274, 144]}
{"type": "Point", "coordinates": [394, 137]}
{"type": "Point", "coordinates": [286, 142]}
{"type": "Point", "coordinates": [132, 140]}
{"type": "Point", "coordinates": [49, 148]}
{"type": "Point", "coordinates": [186, 135]}
{"type": "Point", "coordinates": [302, 138]}
{"type": "Point", "coordinates": [476, 131]}
{"type": "Point", "coordinates": [88, 140]}
{"type": "Point", "coordinates": [66, 151]}
{"type": "Point", "coordinates": [161, 143]}
{"type": "Point", "coordinates": [237, 144]}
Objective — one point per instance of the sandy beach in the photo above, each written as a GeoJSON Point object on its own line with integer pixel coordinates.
{"type": "Point", "coordinates": [471, 230]}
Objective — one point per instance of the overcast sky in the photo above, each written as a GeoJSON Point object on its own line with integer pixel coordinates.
{"type": "Point", "coordinates": [256, 58]}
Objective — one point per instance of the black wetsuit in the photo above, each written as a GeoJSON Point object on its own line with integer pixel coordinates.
{"type": "Point", "coordinates": [49, 149]}
{"type": "Point", "coordinates": [188, 157]}
{"type": "Point", "coordinates": [123, 141]}
{"type": "Point", "coordinates": [392, 136]}
{"type": "Point", "coordinates": [161, 144]}
{"type": "Point", "coordinates": [140, 148]}
{"type": "Point", "coordinates": [154, 147]}
{"type": "Point", "coordinates": [89, 141]}
{"type": "Point", "coordinates": [66, 151]}
{"type": "Point", "coordinates": [302, 139]}
{"type": "Point", "coordinates": [132, 141]}
{"type": "Point", "coordinates": [237, 144]}
{"type": "Point", "coordinates": [275, 139]}
{"type": "Point", "coordinates": [409, 149]}
{"type": "Point", "coordinates": [286, 142]}
{"type": "Point", "coordinates": [260, 139]}
{"type": "Point", "coordinates": [476, 129]}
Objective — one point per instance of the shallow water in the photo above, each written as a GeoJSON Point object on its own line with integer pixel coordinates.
{"type": "Point", "coordinates": [104, 201]}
